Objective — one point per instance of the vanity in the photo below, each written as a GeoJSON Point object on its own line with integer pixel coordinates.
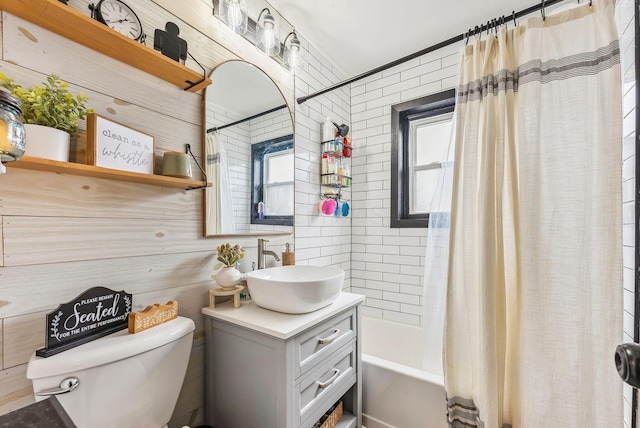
{"type": "Point", "coordinates": [273, 370]}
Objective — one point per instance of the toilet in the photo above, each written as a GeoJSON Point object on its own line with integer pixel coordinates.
{"type": "Point", "coordinates": [123, 380]}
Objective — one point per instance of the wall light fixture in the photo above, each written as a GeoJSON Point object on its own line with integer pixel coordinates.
{"type": "Point", "coordinates": [263, 33]}
{"type": "Point", "coordinates": [267, 33]}
{"type": "Point", "coordinates": [293, 61]}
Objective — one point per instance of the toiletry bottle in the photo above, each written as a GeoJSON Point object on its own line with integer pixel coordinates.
{"type": "Point", "coordinates": [261, 209]}
{"type": "Point", "coordinates": [333, 170]}
{"type": "Point", "coordinates": [288, 256]}
{"type": "Point", "coordinates": [346, 147]}
{"type": "Point", "coordinates": [347, 176]}
{"type": "Point", "coordinates": [327, 130]}
{"type": "Point", "coordinates": [341, 175]}
{"type": "Point", "coordinates": [325, 167]}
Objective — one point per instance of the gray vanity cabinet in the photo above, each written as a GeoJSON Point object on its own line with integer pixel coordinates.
{"type": "Point", "coordinates": [265, 369]}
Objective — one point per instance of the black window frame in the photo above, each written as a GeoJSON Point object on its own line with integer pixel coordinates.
{"type": "Point", "coordinates": [401, 116]}
{"type": "Point", "coordinates": [258, 152]}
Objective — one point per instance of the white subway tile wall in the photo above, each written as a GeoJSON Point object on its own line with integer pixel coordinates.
{"type": "Point", "coordinates": [319, 240]}
{"type": "Point", "coordinates": [263, 128]}
{"type": "Point", "coordinates": [626, 31]}
{"type": "Point", "coordinates": [237, 141]}
{"type": "Point", "coordinates": [388, 264]}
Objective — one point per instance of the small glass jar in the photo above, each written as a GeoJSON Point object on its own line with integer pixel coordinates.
{"type": "Point", "coordinates": [12, 144]}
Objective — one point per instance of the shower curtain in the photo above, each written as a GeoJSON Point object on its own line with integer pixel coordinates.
{"type": "Point", "coordinates": [220, 203]}
{"type": "Point", "coordinates": [534, 295]}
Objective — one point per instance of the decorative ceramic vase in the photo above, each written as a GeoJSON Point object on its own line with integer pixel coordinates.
{"type": "Point", "coordinates": [228, 277]}
{"type": "Point", "coordinates": [46, 142]}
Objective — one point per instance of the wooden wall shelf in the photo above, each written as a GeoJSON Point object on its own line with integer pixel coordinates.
{"type": "Point", "coordinates": [72, 24]}
{"type": "Point", "coordinates": [39, 164]}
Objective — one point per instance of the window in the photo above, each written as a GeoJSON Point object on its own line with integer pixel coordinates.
{"type": "Point", "coordinates": [272, 174]}
{"type": "Point", "coordinates": [420, 132]}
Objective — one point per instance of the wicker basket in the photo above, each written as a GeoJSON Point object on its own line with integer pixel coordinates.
{"type": "Point", "coordinates": [333, 418]}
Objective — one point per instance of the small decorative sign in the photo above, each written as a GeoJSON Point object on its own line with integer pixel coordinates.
{"type": "Point", "coordinates": [151, 316]}
{"type": "Point", "coordinates": [95, 313]}
{"type": "Point", "coordinates": [116, 146]}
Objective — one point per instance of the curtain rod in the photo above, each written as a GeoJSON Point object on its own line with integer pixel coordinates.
{"type": "Point", "coordinates": [478, 29]}
{"type": "Point", "coordinates": [237, 122]}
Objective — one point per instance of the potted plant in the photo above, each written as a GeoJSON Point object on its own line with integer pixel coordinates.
{"type": "Point", "coordinates": [50, 113]}
{"type": "Point", "coordinates": [228, 256]}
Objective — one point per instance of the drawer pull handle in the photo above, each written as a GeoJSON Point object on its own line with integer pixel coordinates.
{"type": "Point", "coordinates": [330, 337]}
{"type": "Point", "coordinates": [332, 379]}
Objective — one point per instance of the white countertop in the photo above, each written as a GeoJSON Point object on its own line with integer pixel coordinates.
{"type": "Point", "coordinates": [277, 324]}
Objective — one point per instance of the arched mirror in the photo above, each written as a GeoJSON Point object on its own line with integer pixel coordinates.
{"type": "Point", "coordinates": [248, 153]}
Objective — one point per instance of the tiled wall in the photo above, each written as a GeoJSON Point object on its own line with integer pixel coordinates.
{"type": "Point", "coordinates": [237, 142]}
{"type": "Point", "coordinates": [388, 264]}
{"type": "Point", "coordinates": [237, 146]}
{"type": "Point", "coordinates": [625, 21]}
{"type": "Point", "coordinates": [319, 240]}
{"type": "Point", "coordinates": [263, 128]}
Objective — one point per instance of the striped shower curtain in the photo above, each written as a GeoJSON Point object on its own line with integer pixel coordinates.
{"type": "Point", "coordinates": [534, 295]}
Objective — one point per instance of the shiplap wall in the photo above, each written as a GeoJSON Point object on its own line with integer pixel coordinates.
{"type": "Point", "coordinates": [63, 234]}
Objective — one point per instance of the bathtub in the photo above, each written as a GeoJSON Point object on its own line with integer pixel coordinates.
{"type": "Point", "coordinates": [396, 391]}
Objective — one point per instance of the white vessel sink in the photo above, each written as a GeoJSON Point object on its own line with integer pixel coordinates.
{"type": "Point", "coordinates": [295, 289]}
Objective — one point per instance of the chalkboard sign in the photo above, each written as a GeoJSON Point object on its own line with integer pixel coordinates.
{"type": "Point", "coordinates": [95, 313]}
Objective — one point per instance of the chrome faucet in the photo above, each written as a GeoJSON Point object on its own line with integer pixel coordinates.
{"type": "Point", "coordinates": [262, 252]}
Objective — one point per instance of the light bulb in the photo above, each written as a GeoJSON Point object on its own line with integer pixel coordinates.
{"type": "Point", "coordinates": [269, 38]}
{"type": "Point", "coordinates": [293, 61]}
{"type": "Point", "coordinates": [234, 14]}
{"type": "Point", "coordinates": [267, 33]}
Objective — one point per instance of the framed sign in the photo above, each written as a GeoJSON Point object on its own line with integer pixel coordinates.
{"type": "Point", "coordinates": [113, 145]}
{"type": "Point", "coordinates": [97, 312]}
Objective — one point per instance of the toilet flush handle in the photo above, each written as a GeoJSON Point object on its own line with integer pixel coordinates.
{"type": "Point", "coordinates": [67, 385]}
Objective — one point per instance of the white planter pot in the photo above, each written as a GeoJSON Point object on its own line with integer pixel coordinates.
{"type": "Point", "coordinates": [228, 277]}
{"type": "Point", "coordinates": [46, 142]}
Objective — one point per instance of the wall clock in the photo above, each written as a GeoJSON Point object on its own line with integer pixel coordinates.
{"type": "Point", "coordinates": [120, 17]}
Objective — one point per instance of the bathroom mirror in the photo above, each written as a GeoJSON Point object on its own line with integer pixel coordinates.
{"type": "Point", "coordinates": [248, 153]}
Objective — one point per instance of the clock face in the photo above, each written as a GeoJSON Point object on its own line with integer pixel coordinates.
{"type": "Point", "coordinates": [119, 17]}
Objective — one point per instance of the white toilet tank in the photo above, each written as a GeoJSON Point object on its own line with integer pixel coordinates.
{"type": "Point", "coordinates": [125, 380]}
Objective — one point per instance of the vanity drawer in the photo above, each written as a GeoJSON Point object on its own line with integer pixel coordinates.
{"type": "Point", "coordinates": [313, 346]}
{"type": "Point", "coordinates": [336, 376]}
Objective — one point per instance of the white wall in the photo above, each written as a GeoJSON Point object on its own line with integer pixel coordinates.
{"type": "Point", "coordinates": [267, 127]}
{"type": "Point", "coordinates": [319, 240]}
{"type": "Point", "coordinates": [388, 264]}
{"type": "Point", "coordinates": [236, 141]}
